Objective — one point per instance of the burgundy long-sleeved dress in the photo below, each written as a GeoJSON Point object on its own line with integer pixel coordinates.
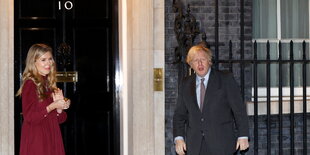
{"type": "Point", "coordinates": [41, 133]}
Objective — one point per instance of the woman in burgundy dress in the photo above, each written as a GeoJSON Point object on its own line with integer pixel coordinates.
{"type": "Point", "coordinates": [42, 104]}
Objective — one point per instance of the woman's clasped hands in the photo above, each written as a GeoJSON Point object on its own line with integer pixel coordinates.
{"type": "Point", "coordinates": [59, 101]}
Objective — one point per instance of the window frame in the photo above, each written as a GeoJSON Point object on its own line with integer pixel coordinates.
{"type": "Point", "coordinates": [298, 91]}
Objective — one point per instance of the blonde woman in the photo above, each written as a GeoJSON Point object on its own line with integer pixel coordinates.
{"type": "Point", "coordinates": [42, 104]}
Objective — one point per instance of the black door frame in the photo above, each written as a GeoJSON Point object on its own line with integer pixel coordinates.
{"type": "Point", "coordinates": [117, 70]}
{"type": "Point", "coordinates": [116, 88]}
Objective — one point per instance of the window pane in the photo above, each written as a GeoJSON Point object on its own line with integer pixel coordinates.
{"type": "Point", "coordinates": [274, 75]}
{"type": "Point", "coordinates": [294, 19]}
{"type": "Point", "coordinates": [297, 67]}
{"type": "Point", "coordinates": [308, 74]}
{"type": "Point", "coordinates": [265, 19]}
{"type": "Point", "coordinates": [262, 51]}
{"type": "Point", "coordinates": [297, 51]}
{"type": "Point", "coordinates": [262, 67]}
{"type": "Point", "coordinates": [308, 65]}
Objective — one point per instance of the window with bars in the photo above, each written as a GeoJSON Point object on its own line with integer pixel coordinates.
{"type": "Point", "coordinates": [281, 21]}
{"type": "Point", "coordinates": [284, 24]}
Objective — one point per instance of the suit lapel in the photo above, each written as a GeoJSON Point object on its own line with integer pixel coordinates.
{"type": "Point", "coordinates": [213, 85]}
{"type": "Point", "coordinates": [192, 92]}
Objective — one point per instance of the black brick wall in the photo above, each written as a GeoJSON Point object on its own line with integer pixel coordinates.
{"type": "Point", "coordinates": [286, 138]}
{"type": "Point", "coordinates": [171, 76]}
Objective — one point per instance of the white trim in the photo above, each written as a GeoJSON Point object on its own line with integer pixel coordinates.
{"type": "Point", "coordinates": [121, 79]}
{"type": "Point", "coordinates": [274, 101]}
{"type": "Point", "coordinates": [7, 77]}
{"type": "Point", "coordinates": [274, 94]}
{"type": "Point", "coordinates": [295, 40]}
{"type": "Point", "coordinates": [279, 19]}
{"type": "Point", "coordinates": [274, 107]}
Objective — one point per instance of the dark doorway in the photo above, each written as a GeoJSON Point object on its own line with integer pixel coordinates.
{"type": "Point", "coordinates": [83, 35]}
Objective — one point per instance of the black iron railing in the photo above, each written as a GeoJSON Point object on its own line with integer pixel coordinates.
{"type": "Point", "coordinates": [254, 62]}
{"type": "Point", "coordinates": [186, 37]}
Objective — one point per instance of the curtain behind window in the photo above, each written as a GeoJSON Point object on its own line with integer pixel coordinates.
{"type": "Point", "coordinates": [294, 25]}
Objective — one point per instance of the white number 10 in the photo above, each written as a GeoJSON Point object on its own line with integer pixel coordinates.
{"type": "Point", "coordinates": [68, 5]}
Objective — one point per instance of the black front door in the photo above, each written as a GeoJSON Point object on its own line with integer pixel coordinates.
{"type": "Point", "coordinates": [81, 34]}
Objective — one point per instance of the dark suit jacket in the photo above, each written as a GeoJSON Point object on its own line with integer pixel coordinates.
{"type": "Point", "coordinates": [222, 120]}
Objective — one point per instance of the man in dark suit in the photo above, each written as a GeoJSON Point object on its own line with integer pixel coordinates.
{"type": "Point", "coordinates": [210, 117]}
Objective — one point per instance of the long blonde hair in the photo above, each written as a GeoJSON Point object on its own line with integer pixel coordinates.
{"type": "Point", "coordinates": [31, 72]}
